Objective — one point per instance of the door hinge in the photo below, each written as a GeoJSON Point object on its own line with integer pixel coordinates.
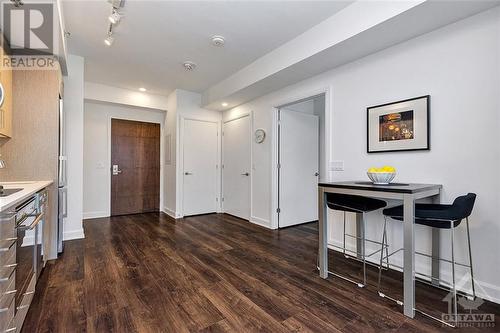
{"type": "Point", "coordinates": [222, 199]}
{"type": "Point", "coordinates": [279, 166]}
{"type": "Point", "coordinates": [278, 210]}
{"type": "Point", "coordinates": [217, 199]}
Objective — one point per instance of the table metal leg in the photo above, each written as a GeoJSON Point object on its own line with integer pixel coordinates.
{"type": "Point", "coordinates": [359, 232]}
{"type": "Point", "coordinates": [323, 234]}
{"type": "Point", "coordinates": [409, 255]}
{"type": "Point", "coordinates": [435, 248]}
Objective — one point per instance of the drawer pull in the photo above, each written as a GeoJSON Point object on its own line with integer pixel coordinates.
{"type": "Point", "coordinates": [5, 279]}
{"type": "Point", "coordinates": [5, 249]}
{"type": "Point", "coordinates": [11, 239]}
{"type": "Point", "coordinates": [20, 307]}
{"type": "Point", "coordinates": [2, 310]}
{"type": "Point", "coordinates": [29, 293]}
{"type": "Point", "coordinates": [10, 292]}
{"type": "Point", "coordinates": [11, 265]}
{"type": "Point", "coordinates": [13, 329]}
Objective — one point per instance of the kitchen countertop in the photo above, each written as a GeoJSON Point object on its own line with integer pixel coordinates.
{"type": "Point", "coordinates": [28, 189]}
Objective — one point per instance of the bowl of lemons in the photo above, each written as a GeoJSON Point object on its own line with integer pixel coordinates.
{"type": "Point", "coordinates": [382, 176]}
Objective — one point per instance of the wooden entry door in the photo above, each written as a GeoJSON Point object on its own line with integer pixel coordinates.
{"type": "Point", "coordinates": [135, 167]}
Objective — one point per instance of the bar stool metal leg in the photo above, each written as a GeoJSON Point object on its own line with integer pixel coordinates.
{"type": "Point", "coordinates": [470, 259]}
{"type": "Point", "coordinates": [384, 239]}
{"type": "Point", "coordinates": [344, 234]}
{"type": "Point", "coordinates": [363, 223]}
{"type": "Point", "coordinates": [454, 286]}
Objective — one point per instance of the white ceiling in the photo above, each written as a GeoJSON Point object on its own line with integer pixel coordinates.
{"type": "Point", "coordinates": [155, 37]}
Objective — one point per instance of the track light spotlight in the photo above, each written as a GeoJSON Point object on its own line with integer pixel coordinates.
{"type": "Point", "coordinates": [115, 17]}
{"type": "Point", "coordinates": [109, 40]}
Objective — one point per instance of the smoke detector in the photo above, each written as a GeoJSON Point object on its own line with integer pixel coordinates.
{"type": "Point", "coordinates": [189, 65]}
{"type": "Point", "coordinates": [218, 41]}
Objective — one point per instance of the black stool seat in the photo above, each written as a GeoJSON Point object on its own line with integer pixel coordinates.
{"type": "Point", "coordinates": [353, 203]}
{"type": "Point", "coordinates": [437, 215]}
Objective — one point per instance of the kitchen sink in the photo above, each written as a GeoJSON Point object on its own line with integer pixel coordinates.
{"type": "Point", "coordinates": [8, 191]}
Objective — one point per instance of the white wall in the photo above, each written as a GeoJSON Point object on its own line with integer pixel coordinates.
{"type": "Point", "coordinates": [170, 195]}
{"type": "Point", "coordinates": [73, 108]}
{"type": "Point", "coordinates": [96, 156]}
{"type": "Point", "coordinates": [458, 66]}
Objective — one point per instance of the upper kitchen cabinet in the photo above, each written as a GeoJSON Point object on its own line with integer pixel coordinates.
{"type": "Point", "coordinates": [6, 98]}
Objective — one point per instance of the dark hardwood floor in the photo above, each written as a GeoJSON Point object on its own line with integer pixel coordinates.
{"type": "Point", "coordinates": [212, 273]}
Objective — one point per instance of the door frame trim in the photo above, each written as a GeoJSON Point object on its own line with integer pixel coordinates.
{"type": "Point", "coordinates": [249, 114]}
{"type": "Point", "coordinates": [327, 91]}
{"type": "Point", "coordinates": [180, 163]}
{"type": "Point", "coordinates": [162, 152]}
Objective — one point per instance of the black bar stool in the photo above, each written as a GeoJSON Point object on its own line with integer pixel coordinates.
{"type": "Point", "coordinates": [360, 205]}
{"type": "Point", "coordinates": [442, 217]}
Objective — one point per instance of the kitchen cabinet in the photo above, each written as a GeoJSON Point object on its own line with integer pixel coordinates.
{"type": "Point", "coordinates": [22, 215]}
{"type": "Point", "coordinates": [6, 106]}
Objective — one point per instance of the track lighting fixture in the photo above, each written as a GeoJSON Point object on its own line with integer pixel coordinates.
{"type": "Point", "coordinates": [109, 40]}
{"type": "Point", "coordinates": [115, 17]}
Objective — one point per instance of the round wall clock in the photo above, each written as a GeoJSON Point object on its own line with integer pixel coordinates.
{"type": "Point", "coordinates": [260, 135]}
{"type": "Point", "coordinates": [1, 94]}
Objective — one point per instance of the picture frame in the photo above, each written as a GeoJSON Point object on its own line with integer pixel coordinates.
{"type": "Point", "coordinates": [399, 126]}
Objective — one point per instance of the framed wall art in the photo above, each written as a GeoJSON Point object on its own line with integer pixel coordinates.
{"type": "Point", "coordinates": [399, 126]}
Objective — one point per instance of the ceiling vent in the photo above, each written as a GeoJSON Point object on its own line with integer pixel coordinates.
{"type": "Point", "coordinates": [218, 41]}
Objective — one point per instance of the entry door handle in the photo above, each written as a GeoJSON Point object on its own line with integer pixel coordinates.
{"type": "Point", "coordinates": [245, 174]}
{"type": "Point", "coordinates": [316, 174]}
{"type": "Point", "coordinates": [188, 174]}
{"type": "Point", "coordinates": [116, 170]}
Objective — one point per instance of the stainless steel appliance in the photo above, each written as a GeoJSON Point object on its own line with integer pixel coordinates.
{"type": "Point", "coordinates": [28, 217]}
{"type": "Point", "coordinates": [62, 179]}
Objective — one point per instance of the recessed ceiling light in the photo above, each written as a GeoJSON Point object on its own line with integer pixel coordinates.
{"type": "Point", "coordinates": [218, 41]}
{"type": "Point", "coordinates": [143, 89]}
{"type": "Point", "coordinates": [224, 104]}
{"type": "Point", "coordinates": [189, 65]}
{"type": "Point", "coordinates": [109, 40]}
{"type": "Point", "coordinates": [115, 17]}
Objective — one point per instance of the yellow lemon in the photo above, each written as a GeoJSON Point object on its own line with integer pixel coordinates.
{"type": "Point", "coordinates": [372, 170]}
{"type": "Point", "coordinates": [388, 169]}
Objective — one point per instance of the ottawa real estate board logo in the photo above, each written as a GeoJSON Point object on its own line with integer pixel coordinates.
{"type": "Point", "coordinates": [30, 34]}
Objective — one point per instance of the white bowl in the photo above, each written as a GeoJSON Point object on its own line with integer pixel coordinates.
{"type": "Point", "coordinates": [381, 178]}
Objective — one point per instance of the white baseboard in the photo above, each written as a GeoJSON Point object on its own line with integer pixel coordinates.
{"type": "Point", "coordinates": [172, 213]}
{"type": "Point", "coordinates": [484, 290]}
{"type": "Point", "coordinates": [94, 215]}
{"type": "Point", "coordinates": [73, 234]}
{"type": "Point", "coordinates": [262, 222]}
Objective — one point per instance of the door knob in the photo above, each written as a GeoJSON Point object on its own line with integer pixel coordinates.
{"type": "Point", "coordinates": [245, 174]}
{"type": "Point", "coordinates": [187, 173]}
{"type": "Point", "coordinates": [316, 174]}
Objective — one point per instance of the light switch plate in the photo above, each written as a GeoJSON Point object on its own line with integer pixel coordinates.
{"type": "Point", "coordinates": [337, 165]}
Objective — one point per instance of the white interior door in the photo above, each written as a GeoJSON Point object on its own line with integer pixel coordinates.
{"type": "Point", "coordinates": [299, 165]}
{"type": "Point", "coordinates": [200, 167]}
{"type": "Point", "coordinates": [237, 167]}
